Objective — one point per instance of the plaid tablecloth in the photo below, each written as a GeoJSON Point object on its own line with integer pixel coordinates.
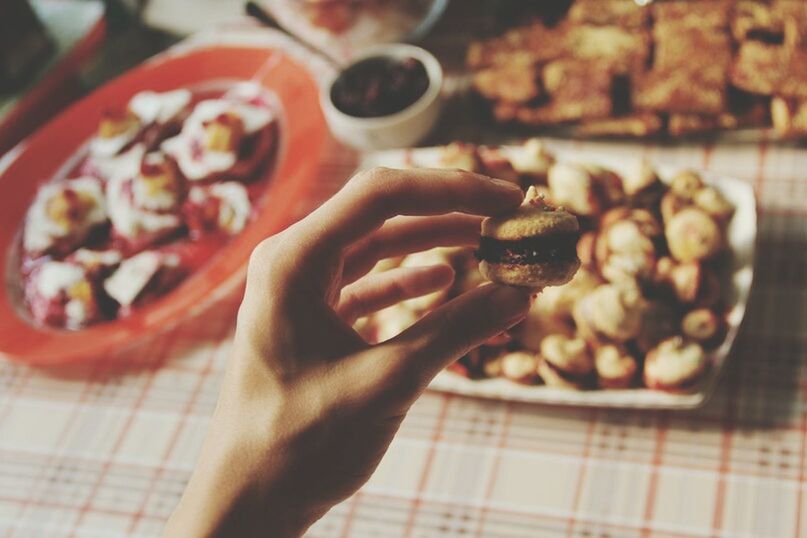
{"type": "Point", "coordinates": [105, 450]}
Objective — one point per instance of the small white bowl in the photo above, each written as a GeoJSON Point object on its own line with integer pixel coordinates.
{"type": "Point", "coordinates": [401, 129]}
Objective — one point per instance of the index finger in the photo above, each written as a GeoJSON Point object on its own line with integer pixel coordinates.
{"type": "Point", "coordinates": [374, 196]}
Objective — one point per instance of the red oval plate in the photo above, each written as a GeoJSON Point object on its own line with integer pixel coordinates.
{"type": "Point", "coordinates": [303, 142]}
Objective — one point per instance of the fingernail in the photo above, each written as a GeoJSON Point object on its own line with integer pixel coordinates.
{"type": "Point", "coordinates": [507, 193]}
{"type": "Point", "coordinates": [508, 185]}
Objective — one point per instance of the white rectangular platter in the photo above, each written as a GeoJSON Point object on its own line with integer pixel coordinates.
{"type": "Point", "coordinates": [735, 285]}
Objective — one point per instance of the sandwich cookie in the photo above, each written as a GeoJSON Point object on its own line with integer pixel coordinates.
{"type": "Point", "coordinates": [533, 247]}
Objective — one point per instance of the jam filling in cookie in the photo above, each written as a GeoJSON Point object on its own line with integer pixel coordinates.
{"type": "Point", "coordinates": [555, 247]}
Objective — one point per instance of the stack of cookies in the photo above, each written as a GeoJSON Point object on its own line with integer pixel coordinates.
{"type": "Point", "coordinates": [643, 310]}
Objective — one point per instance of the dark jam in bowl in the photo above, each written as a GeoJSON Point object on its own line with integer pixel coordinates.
{"type": "Point", "coordinates": [379, 86]}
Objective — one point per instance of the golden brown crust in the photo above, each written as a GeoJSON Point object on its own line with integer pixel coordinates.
{"type": "Point", "coordinates": [625, 13]}
{"type": "Point", "coordinates": [579, 89]}
{"type": "Point", "coordinates": [752, 16]}
{"type": "Point", "coordinates": [528, 221]}
{"type": "Point", "coordinates": [692, 49]}
{"type": "Point", "coordinates": [758, 68]}
{"type": "Point", "coordinates": [614, 71]}
{"type": "Point", "coordinates": [623, 50]}
{"type": "Point", "coordinates": [508, 83]}
{"type": "Point", "coordinates": [675, 16]}
{"type": "Point", "coordinates": [794, 82]}
{"type": "Point", "coordinates": [674, 90]}
{"type": "Point", "coordinates": [533, 275]}
{"type": "Point", "coordinates": [770, 69]}
{"type": "Point", "coordinates": [526, 45]}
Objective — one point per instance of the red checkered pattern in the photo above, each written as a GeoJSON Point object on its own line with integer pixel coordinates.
{"type": "Point", "coordinates": [105, 450]}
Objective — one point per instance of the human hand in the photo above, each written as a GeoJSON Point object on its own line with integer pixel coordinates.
{"type": "Point", "coordinates": [308, 407]}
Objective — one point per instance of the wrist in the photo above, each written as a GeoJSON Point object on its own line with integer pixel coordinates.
{"type": "Point", "coordinates": [236, 490]}
{"type": "Point", "coordinates": [247, 515]}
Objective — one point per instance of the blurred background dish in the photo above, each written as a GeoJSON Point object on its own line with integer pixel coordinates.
{"type": "Point", "coordinates": [623, 69]}
{"type": "Point", "coordinates": [53, 151]}
{"type": "Point", "coordinates": [344, 28]}
{"type": "Point", "coordinates": [639, 294]}
{"type": "Point", "coordinates": [337, 28]}
{"type": "Point", "coordinates": [169, 178]}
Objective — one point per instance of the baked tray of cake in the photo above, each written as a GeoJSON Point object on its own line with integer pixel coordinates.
{"type": "Point", "coordinates": [609, 68]}
{"type": "Point", "coordinates": [650, 318]}
{"type": "Point", "coordinates": [138, 207]}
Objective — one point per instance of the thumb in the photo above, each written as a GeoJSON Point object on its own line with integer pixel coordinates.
{"type": "Point", "coordinates": [461, 325]}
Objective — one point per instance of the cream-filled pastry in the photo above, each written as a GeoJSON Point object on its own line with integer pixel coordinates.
{"type": "Point", "coordinates": [461, 156]}
{"type": "Point", "coordinates": [624, 251]}
{"type": "Point", "coordinates": [62, 294]}
{"type": "Point", "coordinates": [218, 207]}
{"type": "Point", "coordinates": [144, 208]}
{"type": "Point", "coordinates": [222, 139]}
{"type": "Point", "coordinates": [674, 365]}
{"type": "Point", "coordinates": [685, 184]}
{"type": "Point", "coordinates": [531, 161]}
{"type": "Point", "coordinates": [616, 368]}
{"type": "Point", "coordinates": [702, 325]}
{"type": "Point", "coordinates": [566, 362]}
{"type": "Point", "coordinates": [141, 278]}
{"type": "Point", "coordinates": [641, 184]}
{"type": "Point", "coordinates": [693, 235]}
{"type": "Point", "coordinates": [572, 186]}
{"type": "Point", "coordinates": [715, 204]}
{"type": "Point", "coordinates": [611, 312]}
{"type": "Point", "coordinates": [119, 129]}
{"type": "Point", "coordinates": [519, 366]}
{"type": "Point", "coordinates": [63, 215]}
